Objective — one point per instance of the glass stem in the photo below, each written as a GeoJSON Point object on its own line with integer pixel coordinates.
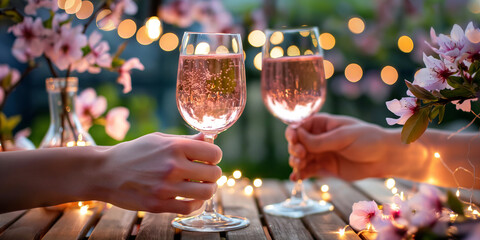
{"type": "Point", "coordinates": [297, 191]}
{"type": "Point", "coordinates": [209, 207]}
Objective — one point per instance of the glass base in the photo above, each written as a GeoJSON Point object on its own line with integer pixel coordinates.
{"type": "Point", "coordinates": [297, 208]}
{"type": "Point", "coordinates": [210, 222]}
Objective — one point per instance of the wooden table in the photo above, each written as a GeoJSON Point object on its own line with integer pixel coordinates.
{"type": "Point", "coordinates": [117, 223]}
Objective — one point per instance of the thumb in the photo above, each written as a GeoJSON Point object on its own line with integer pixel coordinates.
{"type": "Point", "coordinates": [322, 142]}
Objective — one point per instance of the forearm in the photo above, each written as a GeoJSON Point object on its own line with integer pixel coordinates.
{"type": "Point", "coordinates": [47, 176]}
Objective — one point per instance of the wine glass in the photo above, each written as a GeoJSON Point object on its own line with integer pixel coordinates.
{"type": "Point", "coordinates": [211, 96]}
{"type": "Point", "coordinates": [293, 88]}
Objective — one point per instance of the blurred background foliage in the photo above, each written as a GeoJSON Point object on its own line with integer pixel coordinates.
{"type": "Point", "coordinates": [256, 143]}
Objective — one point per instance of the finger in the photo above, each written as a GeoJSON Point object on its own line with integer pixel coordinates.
{"type": "Point", "coordinates": [201, 151]}
{"type": "Point", "coordinates": [198, 136]}
{"type": "Point", "coordinates": [293, 161]}
{"type": "Point", "coordinates": [179, 206]}
{"type": "Point", "coordinates": [297, 150]}
{"type": "Point", "coordinates": [291, 134]}
{"type": "Point", "coordinates": [200, 171]}
{"type": "Point", "coordinates": [195, 190]}
{"type": "Point", "coordinates": [322, 142]}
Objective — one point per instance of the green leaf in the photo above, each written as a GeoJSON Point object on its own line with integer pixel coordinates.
{"type": "Point", "coordinates": [457, 92]}
{"type": "Point", "coordinates": [437, 94]}
{"type": "Point", "coordinates": [415, 125]}
{"type": "Point", "coordinates": [456, 82]}
{"type": "Point", "coordinates": [13, 15]}
{"type": "Point", "coordinates": [441, 114]}
{"type": "Point", "coordinates": [86, 50]}
{"type": "Point", "coordinates": [7, 80]}
{"type": "Point", "coordinates": [4, 3]}
{"type": "Point", "coordinates": [434, 113]}
{"type": "Point", "coordinates": [66, 21]}
{"type": "Point", "coordinates": [49, 22]}
{"type": "Point", "coordinates": [419, 92]}
{"type": "Point", "coordinates": [13, 121]}
{"type": "Point", "coordinates": [474, 67]}
{"type": "Point", "coordinates": [117, 62]}
{"type": "Point", "coordinates": [454, 203]}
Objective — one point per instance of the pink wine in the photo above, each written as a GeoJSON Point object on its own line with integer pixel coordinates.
{"type": "Point", "coordinates": [293, 88]}
{"type": "Point", "coordinates": [211, 91]}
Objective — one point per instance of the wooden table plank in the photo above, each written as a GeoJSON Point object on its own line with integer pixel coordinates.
{"type": "Point", "coordinates": [235, 202]}
{"type": "Point", "coordinates": [280, 227]}
{"type": "Point", "coordinates": [6, 219]}
{"type": "Point", "coordinates": [156, 226]}
{"type": "Point", "coordinates": [187, 235]}
{"type": "Point", "coordinates": [74, 224]}
{"type": "Point", "coordinates": [375, 189]}
{"type": "Point", "coordinates": [33, 225]}
{"type": "Point", "coordinates": [116, 223]}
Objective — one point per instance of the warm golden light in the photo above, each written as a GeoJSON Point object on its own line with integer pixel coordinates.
{"type": "Point", "coordinates": [329, 69]}
{"type": "Point", "coordinates": [231, 182]}
{"type": "Point", "coordinates": [84, 210]}
{"type": "Point", "coordinates": [327, 41]}
{"type": "Point", "coordinates": [221, 181]}
{"type": "Point", "coordinates": [474, 6]}
{"type": "Point", "coordinates": [276, 52]}
{"type": "Point", "coordinates": [341, 232]}
{"type": "Point", "coordinates": [458, 193]}
{"type": "Point", "coordinates": [257, 38]}
{"type": "Point", "coordinates": [308, 52]}
{"type": "Point", "coordinates": [142, 36]}
{"type": "Point", "coordinates": [390, 183]}
{"type": "Point", "coordinates": [405, 44]}
{"type": "Point", "coordinates": [202, 48]}
{"type": "Point", "coordinates": [257, 182]}
{"type": "Point", "coordinates": [276, 38]}
{"type": "Point", "coordinates": [66, 4]}
{"type": "Point", "coordinates": [190, 49]}
{"type": "Point", "coordinates": [257, 61]}
{"type": "Point", "coordinates": [324, 188]}
{"type": "Point", "coordinates": [105, 26]}
{"type": "Point", "coordinates": [353, 72]}
{"type": "Point", "coordinates": [85, 11]}
{"type": "Point", "coordinates": [394, 190]}
{"type": "Point", "coordinates": [356, 25]}
{"type": "Point", "coordinates": [234, 45]}
{"type": "Point", "coordinates": [127, 28]}
{"type": "Point", "coordinates": [154, 28]}
{"type": "Point", "coordinates": [305, 33]}
{"type": "Point", "coordinates": [237, 174]}
{"type": "Point", "coordinates": [248, 190]}
{"type": "Point", "coordinates": [293, 51]}
{"type": "Point", "coordinates": [61, 4]}
{"type": "Point", "coordinates": [221, 50]}
{"type": "Point", "coordinates": [436, 155]}
{"type": "Point", "coordinates": [389, 75]}
{"type": "Point", "coordinates": [74, 7]}
{"type": "Point", "coordinates": [169, 41]}
{"type": "Point", "coordinates": [141, 214]}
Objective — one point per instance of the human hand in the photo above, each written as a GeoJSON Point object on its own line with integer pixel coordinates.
{"type": "Point", "coordinates": [149, 172]}
{"type": "Point", "coordinates": [336, 145]}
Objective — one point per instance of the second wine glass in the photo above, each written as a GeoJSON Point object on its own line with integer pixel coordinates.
{"type": "Point", "coordinates": [293, 88]}
{"type": "Point", "coordinates": [211, 96]}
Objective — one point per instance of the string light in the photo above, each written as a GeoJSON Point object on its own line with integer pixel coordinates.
{"type": "Point", "coordinates": [154, 28]}
{"type": "Point", "coordinates": [308, 52]}
{"type": "Point", "coordinates": [457, 193]}
{"type": "Point", "coordinates": [248, 190]}
{"type": "Point", "coordinates": [276, 38]}
{"type": "Point", "coordinates": [276, 52]}
{"type": "Point", "coordinates": [84, 210]}
{"type": "Point", "coordinates": [257, 182]}
{"type": "Point", "coordinates": [324, 188]}
{"type": "Point", "coordinates": [142, 36]}
{"type": "Point", "coordinates": [73, 6]}
{"type": "Point", "coordinates": [237, 174]}
{"type": "Point", "coordinates": [231, 182]}
{"type": "Point", "coordinates": [390, 183]}
{"type": "Point", "coordinates": [293, 51]}
{"type": "Point", "coordinates": [220, 49]}
{"type": "Point", "coordinates": [169, 41]}
{"type": "Point", "coordinates": [221, 181]}
{"type": "Point", "coordinates": [394, 190]}
{"type": "Point", "coordinates": [202, 48]}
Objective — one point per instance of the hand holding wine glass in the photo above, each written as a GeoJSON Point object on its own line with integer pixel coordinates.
{"type": "Point", "coordinates": [211, 95]}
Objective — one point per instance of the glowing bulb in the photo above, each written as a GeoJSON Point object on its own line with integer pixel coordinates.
{"type": "Point", "coordinates": [402, 196]}
{"type": "Point", "coordinates": [257, 38]}
{"type": "Point", "coordinates": [405, 44]}
{"type": "Point", "coordinates": [257, 61]}
{"type": "Point", "coordinates": [190, 49]}
{"type": "Point", "coordinates": [80, 203]}
{"type": "Point", "coordinates": [105, 25]}
{"type": "Point", "coordinates": [237, 174]}
{"type": "Point", "coordinates": [470, 208]}
{"type": "Point", "coordinates": [222, 180]}
{"type": "Point", "coordinates": [353, 72]}
{"type": "Point", "coordinates": [248, 190]}
{"type": "Point", "coordinates": [202, 48]}
{"type": "Point", "coordinates": [257, 182]}
{"type": "Point", "coordinates": [73, 6]}
{"type": "Point", "coordinates": [109, 205]}
{"type": "Point", "coordinates": [390, 183]}
{"type": "Point", "coordinates": [356, 25]}
{"type": "Point", "coordinates": [341, 232]}
{"type": "Point", "coordinates": [436, 155]}
{"type": "Point", "coordinates": [458, 193]}
{"type": "Point", "coordinates": [154, 28]}
{"type": "Point", "coordinates": [394, 190]}
{"type": "Point", "coordinates": [389, 75]}
{"type": "Point", "coordinates": [394, 206]}
{"type": "Point", "coordinates": [84, 210]}
{"type": "Point", "coordinates": [324, 188]}
{"type": "Point", "coordinates": [231, 182]}
{"type": "Point", "coordinates": [329, 69]}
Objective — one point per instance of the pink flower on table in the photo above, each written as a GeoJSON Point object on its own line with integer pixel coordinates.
{"type": "Point", "coordinates": [404, 108]}
{"type": "Point", "coordinates": [97, 57]}
{"type": "Point", "coordinates": [425, 206]}
{"type": "Point", "coordinates": [386, 230]}
{"type": "Point", "coordinates": [67, 46]}
{"type": "Point", "coordinates": [30, 39]}
{"type": "Point", "coordinates": [21, 140]}
{"type": "Point", "coordinates": [362, 214]}
{"type": "Point", "coordinates": [124, 78]}
{"type": "Point", "coordinates": [435, 75]}
{"type": "Point", "coordinates": [88, 107]}
{"type": "Point", "coordinates": [116, 123]}
{"type": "Point", "coordinates": [179, 12]}
{"type": "Point", "coordinates": [5, 70]}
{"type": "Point", "coordinates": [33, 5]}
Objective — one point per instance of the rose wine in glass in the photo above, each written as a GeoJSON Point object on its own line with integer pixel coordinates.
{"type": "Point", "coordinates": [293, 88]}
{"type": "Point", "coordinates": [211, 95]}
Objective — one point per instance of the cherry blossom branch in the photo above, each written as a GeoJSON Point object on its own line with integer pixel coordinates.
{"type": "Point", "coordinates": [90, 20]}
{"type": "Point", "coordinates": [50, 66]}
{"type": "Point", "coordinates": [65, 115]}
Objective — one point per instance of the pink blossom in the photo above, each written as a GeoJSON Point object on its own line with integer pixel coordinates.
{"type": "Point", "coordinates": [362, 214]}
{"type": "Point", "coordinates": [475, 234]}
{"type": "Point", "coordinates": [21, 140]}
{"type": "Point", "coordinates": [465, 106]}
{"type": "Point", "coordinates": [435, 75]}
{"type": "Point", "coordinates": [116, 123]}
{"type": "Point", "coordinates": [88, 107]}
{"type": "Point", "coordinates": [29, 43]}
{"type": "Point", "coordinates": [452, 48]}
{"type": "Point", "coordinates": [386, 230]}
{"type": "Point", "coordinates": [124, 78]}
{"type": "Point", "coordinates": [118, 8]}
{"type": "Point", "coordinates": [472, 47]}
{"type": "Point", "coordinates": [33, 5]}
{"type": "Point", "coordinates": [5, 70]}
{"type": "Point", "coordinates": [179, 12]}
{"type": "Point", "coordinates": [404, 108]}
{"type": "Point", "coordinates": [213, 16]}
{"type": "Point", "coordinates": [425, 206]}
{"type": "Point", "coordinates": [67, 46]}
{"type": "Point", "coordinates": [97, 57]}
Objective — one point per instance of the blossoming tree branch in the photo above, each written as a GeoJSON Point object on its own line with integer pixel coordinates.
{"type": "Point", "coordinates": [453, 77]}
{"type": "Point", "coordinates": [65, 47]}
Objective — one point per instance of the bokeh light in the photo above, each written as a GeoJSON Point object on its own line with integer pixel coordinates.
{"type": "Point", "coordinates": [327, 41]}
{"type": "Point", "coordinates": [154, 28]}
{"type": "Point", "coordinates": [474, 6]}
{"type": "Point", "coordinates": [293, 51]}
{"type": "Point", "coordinates": [329, 69]}
{"type": "Point", "coordinates": [202, 48]}
{"type": "Point", "coordinates": [389, 75]}
{"type": "Point", "coordinates": [257, 38]}
{"type": "Point", "coordinates": [390, 183]}
{"type": "Point", "coordinates": [324, 188]}
{"type": "Point", "coordinates": [356, 25]}
{"type": "Point", "coordinates": [257, 182]}
{"type": "Point", "coordinates": [237, 174]}
{"type": "Point", "coordinates": [276, 38]}
{"type": "Point", "coordinates": [305, 33]}
{"type": "Point", "coordinates": [222, 180]}
{"type": "Point", "coordinates": [169, 41]}
{"type": "Point", "coordinates": [190, 49]}
{"type": "Point", "coordinates": [308, 52]}
{"type": "Point", "coordinates": [405, 44]}
{"type": "Point", "coordinates": [61, 4]}
{"type": "Point", "coordinates": [257, 61]}
{"type": "Point", "coordinates": [127, 28]}
{"type": "Point", "coordinates": [106, 25]}
{"type": "Point", "coordinates": [353, 72]}
{"type": "Point", "coordinates": [248, 190]}
{"type": "Point", "coordinates": [73, 6]}
{"type": "Point", "coordinates": [221, 50]}
{"type": "Point", "coordinates": [234, 45]}
{"type": "Point", "coordinates": [276, 52]}
{"type": "Point", "coordinates": [142, 36]}
{"type": "Point", "coordinates": [85, 11]}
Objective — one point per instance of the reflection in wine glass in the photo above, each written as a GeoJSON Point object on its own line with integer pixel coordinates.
{"type": "Point", "coordinates": [293, 88]}
{"type": "Point", "coordinates": [211, 95]}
